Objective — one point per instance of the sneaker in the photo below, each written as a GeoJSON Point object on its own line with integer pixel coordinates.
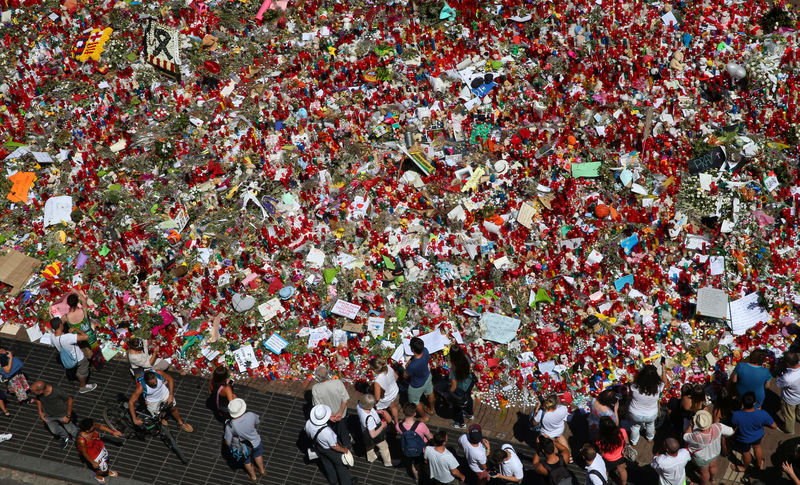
{"type": "Point", "coordinates": [455, 425]}
{"type": "Point", "coordinates": [469, 417]}
{"type": "Point", "coordinates": [5, 437]}
{"type": "Point", "coordinates": [88, 388]}
{"type": "Point", "coordinates": [65, 443]}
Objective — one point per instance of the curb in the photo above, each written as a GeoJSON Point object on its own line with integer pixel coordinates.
{"type": "Point", "coordinates": [59, 471]}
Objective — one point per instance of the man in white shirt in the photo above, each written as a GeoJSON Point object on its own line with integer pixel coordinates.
{"type": "Point", "coordinates": [158, 389]}
{"type": "Point", "coordinates": [671, 466]}
{"type": "Point", "coordinates": [789, 382]}
{"type": "Point", "coordinates": [442, 464]}
{"type": "Point", "coordinates": [596, 473]}
{"type": "Point", "coordinates": [327, 446]}
{"type": "Point", "coordinates": [476, 449]}
{"type": "Point", "coordinates": [332, 393]}
{"type": "Point", "coordinates": [66, 340]}
{"type": "Point", "coordinates": [508, 464]}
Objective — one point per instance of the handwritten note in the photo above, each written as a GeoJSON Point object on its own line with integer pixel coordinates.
{"type": "Point", "coordinates": [345, 309]}
{"type": "Point", "coordinates": [245, 358]}
{"type": "Point", "coordinates": [712, 159]}
{"type": "Point", "coordinates": [746, 314]}
{"type": "Point", "coordinates": [525, 215]}
{"type": "Point", "coordinates": [499, 328]}
{"type": "Point", "coordinates": [376, 325]}
{"type": "Point", "coordinates": [271, 308]}
{"type": "Point", "coordinates": [276, 343]}
{"type": "Point", "coordinates": [588, 169]}
{"type": "Point", "coordinates": [472, 183]}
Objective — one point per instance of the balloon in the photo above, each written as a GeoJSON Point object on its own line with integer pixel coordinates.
{"type": "Point", "coordinates": [736, 71]}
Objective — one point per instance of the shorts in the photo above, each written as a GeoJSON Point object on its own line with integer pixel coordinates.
{"type": "Point", "coordinates": [744, 447]}
{"type": "Point", "coordinates": [416, 393]}
{"type": "Point", "coordinates": [254, 453]}
{"type": "Point", "coordinates": [155, 406]}
{"type": "Point", "coordinates": [611, 465]}
{"type": "Point", "coordinates": [82, 369]}
{"type": "Point", "coordinates": [102, 460]}
{"type": "Point", "coordinates": [703, 462]}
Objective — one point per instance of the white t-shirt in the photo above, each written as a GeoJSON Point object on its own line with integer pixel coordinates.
{"type": "Point", "coordinates": [69, 341]}
{"type": "Point", "coordinates": [441, 464]}
{"type": "Point", "coordinates": [643, 405]}
{"type": "Point", "coordinates": [600, 465]}
{"type": "Point", "coordinates": [327, 437]}
{"type": "Point", "coordinates": [672, 469]}
{"type": "Point", "coordinates": [512, 467]}
{"type": "Point", "coordinates": [789, 382]}
{"type": "Point", "coordinates": [374, 418]}
{"type": "Point", "coordinates": [553, 421]}
{"type": "Point", "coordinates": [388, 382]}
{"type": "Point", "coordinates": [707, 446]}
{"type": "Point", "coordinates": [476, 455]}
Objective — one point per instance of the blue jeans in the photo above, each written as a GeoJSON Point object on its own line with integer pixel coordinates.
{"type": "Point", "coordinates": [646, 422]}
{"type": "Point", "coordinates": [254, 453]}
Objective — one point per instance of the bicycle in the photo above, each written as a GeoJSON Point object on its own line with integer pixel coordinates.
{"type": "Point", "coordinates": [118, 417]}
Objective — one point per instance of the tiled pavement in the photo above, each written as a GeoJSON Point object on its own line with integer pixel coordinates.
{"type": "Point", "coordinates": [281, 406]}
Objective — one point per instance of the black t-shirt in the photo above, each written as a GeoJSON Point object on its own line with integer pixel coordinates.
{"type": "Point", "coordinates": [3, 360]}
{"type": "Point", "coordinates": [54, 405]}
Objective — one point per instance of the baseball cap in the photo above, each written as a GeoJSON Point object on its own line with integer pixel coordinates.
{"type": "Point", "coordinates": [474, 435]}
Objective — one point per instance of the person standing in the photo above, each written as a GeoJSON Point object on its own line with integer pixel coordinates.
{"type": "Point", "coordinates": [220, 388]}
{"type": "Point", "coordinates": [752, 375]}
{"type": "Point", "coordinates": [67, 345]}
{"type": "Point", "coordinates": [413, 437]}
{"type": "Point", "coordinates": [789, 382]}
{"type": "Point", "coordinates": [93, 449]}
{"type": "Point", "coordinates": [596, 473]}
{"type": "Point", "coordinates": [704, 443]}
{"type": "Point", "coordinates": [553, 463]}
{"type": "Point", "coordinates": [605, 404]}
{"type": "Point", "coordinates": [385, 387]}
{"type": "Point", "coordinates": [78, 320]}
{"type": "Point", "coordinates": [243, 424]}
{"type": "Point", "coordinates": [420, 382]}
{"type": "Point", "coordinates": [55, 409]}
{"type": "Point", "coordinates": [332, 393]}
{"type": "Point", "coordinates": [442, 464]}
{"type": "Point", "coordinates": [476, 450]}
{"type": "Point", "coordinates": [611, 444]}
{"type": "Point", "coordinates": [750, 423]}
{"type": "Point", "coordinates": [645, 393]}
{"type": "Point", "coordinates": [461, 384]}
{"type": "Point", "coordinates": [671, 465]}
{"type": "Point", "coordinates": [328, 446]}
{"type": "Point", "coordinates": [551, 417]}
{"type": "Point", "coordinates": [509, 466]}
{"type": "Point", "coordinates": [373, 428]}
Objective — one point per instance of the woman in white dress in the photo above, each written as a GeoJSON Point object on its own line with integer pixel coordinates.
{"type": "Point", "coordinates": [385, 388]}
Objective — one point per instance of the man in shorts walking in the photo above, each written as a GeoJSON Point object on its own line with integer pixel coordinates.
{"type": "Point", "coordinates": [419, 379]}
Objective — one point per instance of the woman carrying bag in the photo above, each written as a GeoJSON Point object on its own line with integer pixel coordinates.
{"type": "Point", "coordinates": [373, 428]}
{"type": "Point", "coordinates": [460, 391]}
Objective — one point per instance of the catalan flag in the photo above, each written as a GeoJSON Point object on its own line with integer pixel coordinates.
{"type": "Point", "coordinates": [90, 44]}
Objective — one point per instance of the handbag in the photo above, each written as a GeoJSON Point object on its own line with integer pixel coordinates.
{"type": "Point", "coordinates": [369, 441]}
{"type": "Point", "coordinates": [238, 447]}
{"type": "Point", "coordinates": [629, 452]}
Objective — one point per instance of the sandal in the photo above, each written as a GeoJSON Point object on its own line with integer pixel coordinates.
{"type": "Point", "coordinates": [187, 427]}
{"type": "Point", "coordinates": [100, 479]}
{"type": "Point", "coordinates": [164, 422]}
{"type": "Point", "coordinates": [112, 473]}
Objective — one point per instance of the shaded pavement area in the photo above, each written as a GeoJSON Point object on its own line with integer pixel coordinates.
{"type": "Point", "coordinates": [283, 408]}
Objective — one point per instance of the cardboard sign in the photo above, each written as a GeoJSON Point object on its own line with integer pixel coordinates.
{"type": "Point", "coordinates": [712, 159]}
{"type": "Point", "coordinates": [15, 269]}
{"type": "Point", "coordinates": [161, 48]}
{"type": "Point", "coordinates": [345, 309]}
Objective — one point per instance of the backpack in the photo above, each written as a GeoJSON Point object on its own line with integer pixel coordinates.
{"type": "Point", "coordinates": [68, 359]}
{"type": "Point", "coordinates": [238, 447]}
{"type": "Point", "coordinates": [598, 475]}
{"type": "Point", "coordinates": [557, 473]}
{"type": "Point", "coordinates": [410, 442]}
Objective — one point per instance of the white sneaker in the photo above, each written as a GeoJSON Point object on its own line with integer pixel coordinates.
{"type": "Point", "coordinates": [88, 388]}
{"type": "Point", "coordinates": [5, 437]}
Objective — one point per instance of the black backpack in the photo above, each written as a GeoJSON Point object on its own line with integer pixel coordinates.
{"type": "Point", "coordinates": [557, 473]}
{"type": "Point", "coordinates": [411, 443]}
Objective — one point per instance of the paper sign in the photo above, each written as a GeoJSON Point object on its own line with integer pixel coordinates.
{"type": "Point", "coordinates": [57, 209]}
{"type": "Point", "coordinates": [315, 257]}
{"type": "Point", "coordinates": [209, 353]}
{"type": "Point", "coordinates": [434, 342]}
{"type": "Point", "coordinates": [499, 328]}
{"type": "Point", "coordinates": [746, 313]}
{"type": "Point", "coordinates": [353, 327]}
{"type": "Point", "coordinates": [345, 309]}
{"type": "Point", "coordinates": [376, 325]}
{"type": "Point", "coordinates": [34, 333]}
{"type": "Point", "coordinates": [620, 283]}
{"type": "Point", "coordinates": [10, 329]}
{"type": "Point", "coordinates": [525, 215]}
{"type": "Point", "coordinates": [245, 358]}
{"type": "Point", "coordinates": [716, 265]}
{"type": "Point", "coordinates": [472, 183]}
{"type": "Point", "coordinates": [276, 343]}
{"type": "Point", "coordinates": [709, 161]}
{"type": "Point", "coordinates": [271, 308]}
{"type": "Point", "coordinates": [588, 169]}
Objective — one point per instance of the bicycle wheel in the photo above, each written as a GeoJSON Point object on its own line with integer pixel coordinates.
{"type": "Point", "coordinates": [169, 440]}
{"type": "Point", "coordinates": [115, 419]}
